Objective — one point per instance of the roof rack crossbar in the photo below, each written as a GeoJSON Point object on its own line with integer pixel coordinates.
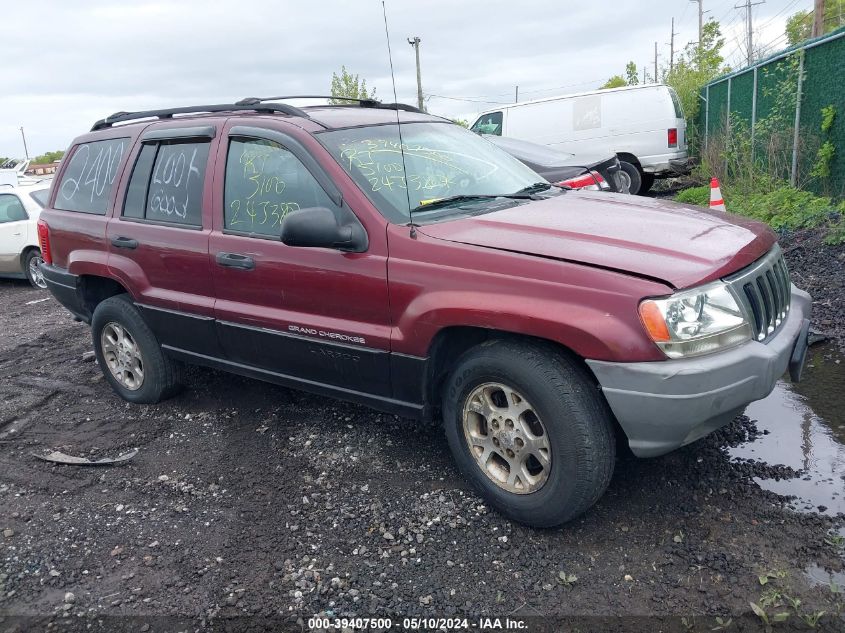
{"type": "Point", "coordinates": [121, 117]}
{"type": "Point", "coordinates": [364, 103]}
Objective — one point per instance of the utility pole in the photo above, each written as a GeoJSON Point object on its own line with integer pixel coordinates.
{"type": "Point", "coordinates": [749, 22]}
{"type": "Point", "coordinates": [25, 150]}
{"type": "Point", "coordinates": [644, 76]}
{"type": "Point", "coordinates": [415, 42]}
{"type": "Point", "coordinates": [818, 18]}
{"type": "Point", "coordinates": [655, 62]}
{"type": "Point", "coordinates": [516, 95]}
{"type": "Point", "coordinates": [672, 47]}
{"type": "Point", "coordinates": [700, 22]}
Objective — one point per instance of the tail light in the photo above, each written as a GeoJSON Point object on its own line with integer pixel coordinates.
{"type": "Point", "coordinates": [591, 180]}
{"type": "Point", "coordinates": [44, 242]}
{"type": "Point", "coordinates": [673, 137]}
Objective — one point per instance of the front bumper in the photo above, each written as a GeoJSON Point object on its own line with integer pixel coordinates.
{"type": "Point", "coordinates": [664, 405]}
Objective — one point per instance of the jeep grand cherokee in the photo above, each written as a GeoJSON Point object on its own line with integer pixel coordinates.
{"type": "Point", "coordinates": [422, 271]}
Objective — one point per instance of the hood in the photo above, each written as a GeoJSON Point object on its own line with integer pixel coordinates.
{"type": "Point", "coordinates": [677, 244]}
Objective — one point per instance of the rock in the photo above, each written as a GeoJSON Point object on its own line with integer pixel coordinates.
{"type": "Point", "coordinates": [88, 357]}
{"type": "Point", "coordinates": [388, 536]}
{"type": "Point", "coordinates": [163, 478]}
{"type": "Point", "coordinates": [70, 598]}
{"type": "Point", "coordinates": [8, 533]}
{"type": "Point", "coordinates": [426, 600]}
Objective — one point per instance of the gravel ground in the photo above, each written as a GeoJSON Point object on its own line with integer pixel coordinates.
{"type": "Point", "coordinates": [820, 270]}
{"type": "Point", "coordinates": [250, 505]}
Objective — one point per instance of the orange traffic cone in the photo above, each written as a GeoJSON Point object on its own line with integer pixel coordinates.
{"type": "Point", "coordinates": [716, 201]}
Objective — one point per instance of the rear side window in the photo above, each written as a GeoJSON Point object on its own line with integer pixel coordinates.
{"type": "Point", "coordinates": [167, 183]}
{"type": "Point", "coordinates": [89, 178]}
{"type": "Point", "coordinates": [11, 209]}
{"type": "Point", "coordinates": [265, 182]}
{"type": "Point", "coordinates": [489, 124]}
{"type": "Point", "coordinates": [41, 197]}
{"type": "Point", "coordinates": [676, 102]}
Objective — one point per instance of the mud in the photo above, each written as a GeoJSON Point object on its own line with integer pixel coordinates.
{"type": "Point", "coordinates": [255, 502]}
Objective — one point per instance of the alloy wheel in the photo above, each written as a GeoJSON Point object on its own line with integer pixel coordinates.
{"type": "Point", "coordinates": [122, 356]}
{"type": "Point", "coordinates": [507, 439]}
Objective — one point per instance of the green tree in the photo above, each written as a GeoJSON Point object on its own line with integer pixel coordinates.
{"type": "Point", "coordinates": [348, 85]}
{"type": "Point", "coordinates": [617, 81]}
{"type": "Point", "coordinates": [696, 66]}
{"type": "Point", "coordinates": [631, 75]}
{"type": "Point", "coordinates": [48, 157]}
{"type": "Point", "coordinates": [799, 26]}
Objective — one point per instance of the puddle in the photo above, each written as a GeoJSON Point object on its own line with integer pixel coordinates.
{"type": "Point", "coordinates": [806, 431]}
{"type": "Point", "coordinates": [820, 577]}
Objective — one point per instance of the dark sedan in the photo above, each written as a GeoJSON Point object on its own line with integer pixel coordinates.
{"type": "Point", "coordinates": [578, 172]}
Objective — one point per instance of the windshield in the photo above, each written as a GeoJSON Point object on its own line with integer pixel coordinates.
{"type": "Point", "coordinates": [442, 159]}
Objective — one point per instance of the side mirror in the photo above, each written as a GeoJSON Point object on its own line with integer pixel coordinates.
{"type": "Point", "coordinates": [318, 227]}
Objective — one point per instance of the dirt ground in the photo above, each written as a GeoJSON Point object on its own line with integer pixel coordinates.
{"type": "Point", "coordinates": [253, 507]}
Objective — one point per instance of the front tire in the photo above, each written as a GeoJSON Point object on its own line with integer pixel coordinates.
{"type": "Point", "coordinates": [32, 269]}
{"type": "Point", "coordinates": [530, 430]}
{"type": "Point", "coordinates": [129, 355]}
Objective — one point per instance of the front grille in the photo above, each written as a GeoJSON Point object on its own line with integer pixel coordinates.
{"type": "Point", "coordinates": [764, 292]}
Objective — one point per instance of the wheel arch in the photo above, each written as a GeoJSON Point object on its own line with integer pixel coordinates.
{"type": "Point", "coordinates": [94, 289]}
{"type": "Point", "coordinates": [25, 253]}
{"type": "Point", "coordinates": [451, 342]}
{"type": "Point", "coordinates": [630, 158]}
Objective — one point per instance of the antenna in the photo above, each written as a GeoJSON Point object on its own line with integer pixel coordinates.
{"type": "Point", "coordinates": [398, 124]}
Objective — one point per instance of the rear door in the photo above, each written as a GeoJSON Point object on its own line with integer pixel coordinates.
{"type": "Point", "coordinates": [13, 226]}
{"type": "Point", "coordinates": [158, 237]}
{"type": "Point", "coordinates": [316, 317]}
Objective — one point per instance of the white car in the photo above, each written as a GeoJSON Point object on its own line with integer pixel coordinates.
{"type": "Point", "coordinates": [643, 125]}
{"type": "Point", "coordinates": [20, 255]}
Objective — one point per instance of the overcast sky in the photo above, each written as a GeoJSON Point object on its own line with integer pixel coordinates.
{"type": "Point", "coordinates": [67, 63]}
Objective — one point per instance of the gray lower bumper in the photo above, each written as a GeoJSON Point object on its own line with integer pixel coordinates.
{"type": "Point", "coordinates": [664, 405]}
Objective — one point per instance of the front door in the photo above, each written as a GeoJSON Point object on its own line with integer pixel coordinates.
{"type": "Point", "coordinates": [158, 239]}
{"type": "Point", "coordinates": [310, 317]}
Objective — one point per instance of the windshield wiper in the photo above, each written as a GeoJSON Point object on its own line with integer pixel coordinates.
{"type": "Point", "coordinates": [450, 200]}
{"type": "Point", "coordinates": [537, 187]}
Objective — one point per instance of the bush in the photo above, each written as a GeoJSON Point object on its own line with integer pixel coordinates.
{"type": "Point", "coordinates": [782, 208]}
{"type": "Point", "coordinates": [695, 195]}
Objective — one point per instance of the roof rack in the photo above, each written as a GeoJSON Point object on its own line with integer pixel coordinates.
{"type": "Point", "coordinates": [258, 106]}
{"type": "Point", "coordinates": [364, 103]}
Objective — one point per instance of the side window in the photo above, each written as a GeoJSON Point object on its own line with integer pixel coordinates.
{"type": "Point", "coordinates": [265, 182]}
{"type": "Point", "coordinates": [41, 197]}
{"type": "Point", "coordinates": [89, 178]}
{"type": "Point", "coordinates": [11, 208]}
{"type": "Point", "coordinates": [489, 124]}
{"type": "Point", "coordinates": [167, 183]}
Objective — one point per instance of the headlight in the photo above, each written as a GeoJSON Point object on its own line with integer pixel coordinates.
{"type": "Point", "coordinates": [696, 321]}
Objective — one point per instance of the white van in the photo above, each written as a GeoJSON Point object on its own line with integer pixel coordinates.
{"type": "Point", "coordinates": [643, 125]}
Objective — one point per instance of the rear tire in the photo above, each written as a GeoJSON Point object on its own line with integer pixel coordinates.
{"type": "Point", "coordinates": [633, 175]}
{"type": "Point", "coordinates": [129, 355]}
{"type": "Point", "coordinates": [647, 183]}
{"type": "Point", "coordinates": [32, 270]}
{"type": "Point", "coordinates": [506, 400]}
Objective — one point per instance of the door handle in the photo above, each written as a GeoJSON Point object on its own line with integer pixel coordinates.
{"type": "Point", "coordinates": [124, 242]}
{"type": "Point", "coordinates": [235, 260]}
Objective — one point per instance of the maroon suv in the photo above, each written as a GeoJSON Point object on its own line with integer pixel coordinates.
{"type": "Point", "coordinates": [422, 271]}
